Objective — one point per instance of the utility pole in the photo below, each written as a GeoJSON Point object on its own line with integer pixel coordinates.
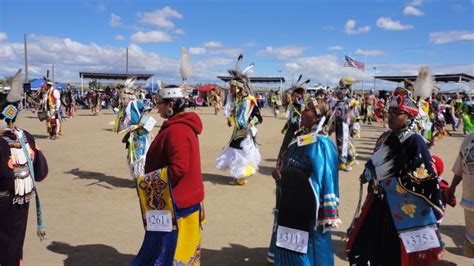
{"type": "Point", "coordinates": [375, 71]}
{"type": "Point", "coordinates": [52, 70]}
{"type": "Point", "coordinates": [26, 58]}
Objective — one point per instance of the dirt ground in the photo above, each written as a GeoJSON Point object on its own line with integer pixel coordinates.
{"type": "Point", "coordinates": [93, 218]}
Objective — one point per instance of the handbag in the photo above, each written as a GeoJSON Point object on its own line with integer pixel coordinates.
{"type": "Point", "coordinates": [43, 115]}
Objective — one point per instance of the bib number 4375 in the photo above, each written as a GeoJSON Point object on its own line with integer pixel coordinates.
{"type": "Point", "coordinates": [159, 220]}
{"type": "Point", "coordinates": [292, 239]}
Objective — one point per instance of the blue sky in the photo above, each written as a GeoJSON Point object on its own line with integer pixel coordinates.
{"type": "Point", "coordinates": [294, 37]}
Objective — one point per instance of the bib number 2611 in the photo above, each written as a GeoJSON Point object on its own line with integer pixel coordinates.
{"type": "Point", "coordinates": [159, 220]}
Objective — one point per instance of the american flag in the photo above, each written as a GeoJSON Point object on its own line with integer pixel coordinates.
{"type": "Point", "coordinates": [350, 62]}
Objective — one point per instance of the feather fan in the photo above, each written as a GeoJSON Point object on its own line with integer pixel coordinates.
{"type": "Point", "coordinates": [186, 67]}
{"type": "Point", "coordinates": [424, 83]}
{"type": "Point", "coordinates": [16, 90]}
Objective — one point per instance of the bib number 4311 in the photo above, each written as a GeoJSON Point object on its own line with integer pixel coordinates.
{"type": "Point", "coordinates": [159, 220]}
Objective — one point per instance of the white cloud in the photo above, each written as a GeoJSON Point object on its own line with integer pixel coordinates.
{"type": "Point", "coordinates": [115, 20]}
{"type": "Point", "coordinates": [416, 2]}
{"type": "Point", "coordinates": [322, 69]}
{"type": "Point", "coordinates": [179, 31]}
{"type": "Point", "coordinates": [197, 50]}
{"type": "Point", "coordinates": [389, 24]}
{"type": "Point", "coordinates": [70, 57]}
{"type": "Point", "coordinates": [119, 37]}
{"type": "Point", "coordinates": [150, 37]}
{"type": "Point", "coordinates": [213, 44]}
{"type": "Point", "coordinates": [7, 52]}
{"type": "Point", "coordinates": [451, 36]}
{"type": "Point", "coordinates": [3, 36]}
{"type": "Point", "coordinates": [215, 48]}
{"type": "Point", "coordinates": [335, 48]}
{"type": "Point", "coordinates": [253, 44]}
{"type": "Point", "coordinates": [349, 28]}
{"type": "Point", "coordinates": [213, 62]}
{"type": "Point", "coordinates": [282, 52]}
{"type": "Point", "coordinates": [412, 11]}
{"type": "Point", "coordinates": [160, 18]}
{"type": "Point", "coordinates": [369, 52]}
{"type": "Point", "coordinates": [231, 52]}
{"type": "Point", "coordinates": [329, 69]}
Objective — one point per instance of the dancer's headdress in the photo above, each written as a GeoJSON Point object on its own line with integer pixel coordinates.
{"type": "Point", "coordinates": [299, 83]}
{"type": "Point", "coordinates": [345, 85]}
{"type": "Point", "coordinates": [240, 78]}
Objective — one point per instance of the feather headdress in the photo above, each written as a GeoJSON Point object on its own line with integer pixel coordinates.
{"type": "Point", "coordinates": [241, 78]}
{"type": "Point", "coordinates": [129, 82]}
{"type": "Point", "coordinates": [424, 83]}
{"type": "Point", "coordinates": [299, 83]}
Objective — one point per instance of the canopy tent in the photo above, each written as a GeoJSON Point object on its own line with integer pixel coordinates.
{"type": "Point", "coordinates": [36, 84]}
{"type": "Point", "coordinates": [209, 87]}
{"type": "Point", "coordinates": [60, 86]}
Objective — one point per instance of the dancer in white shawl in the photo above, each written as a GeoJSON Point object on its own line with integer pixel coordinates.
{"type": "Point", "coordinates": [241, 156]}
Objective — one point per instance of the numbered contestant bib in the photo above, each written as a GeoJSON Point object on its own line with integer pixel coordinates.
{"type": "Point", "coordinates": [307, 139]}
{"type": "Point", "coordinates": [419, 240]}
{"type": "Point", "coordinates": [156, 201]}
{"type": "Point", "coordinates": [160, 221]}
{"type": "Point", "coordinates": [292, 239]}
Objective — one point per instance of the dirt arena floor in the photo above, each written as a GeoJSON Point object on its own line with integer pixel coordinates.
{"type": "Point", "coordinates": [93, 217]}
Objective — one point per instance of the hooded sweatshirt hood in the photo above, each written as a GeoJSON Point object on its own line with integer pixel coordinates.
{"type": "Point", "coordinates": [190, 119]}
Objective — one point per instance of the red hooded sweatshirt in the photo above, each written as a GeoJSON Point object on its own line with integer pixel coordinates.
{"type": "Point", "coordinates": [177, 146]}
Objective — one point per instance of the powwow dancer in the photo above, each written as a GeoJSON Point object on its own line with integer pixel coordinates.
{"type": "Point", "coordinates": [21, 165]}
{"type": "Point", "coordinates": [216, 101]}
{"type": "Point", "coordinates": [308, 194]}
{"type": "Point", "coordinates": [369, 102]}
{"type": "Point", "coordinates": [94, 102]}
{"type": "Point", "coordinates": [275, 100]}
{"type": "Point", "coordinates": [241, 157]}
{"type": "Point", "coordinates": [69, 102]}
{"type": "Point", "coordinates": [295, 109]}
{"type": "Point", "coordinates": [464, 171]}
{"type": "Point", "coordinates": [52, 102]}
{"type": "Point", "coordinates": [172, 190]}
{"type": "Point", "coordinates": [341, 122]}
{"type": "Point", "coordinates": [133, 119]}
{"type": "Point", "coordinates": [404, 200]}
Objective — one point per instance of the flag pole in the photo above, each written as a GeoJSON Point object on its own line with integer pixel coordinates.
{"type": "Point", "coordinates": [363, 79]}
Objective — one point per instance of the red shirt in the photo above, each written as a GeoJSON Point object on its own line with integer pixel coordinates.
{"type": "Point", "coordinates": [177, 146]}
